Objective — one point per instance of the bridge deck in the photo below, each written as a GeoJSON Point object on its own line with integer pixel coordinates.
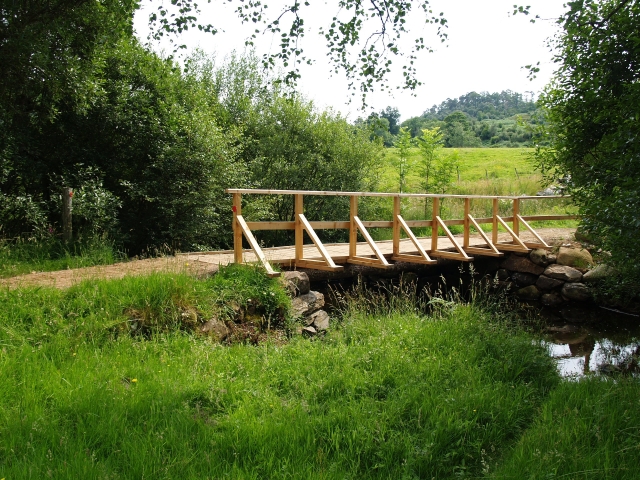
{"type": "Point", "coordinates": [340, 251]}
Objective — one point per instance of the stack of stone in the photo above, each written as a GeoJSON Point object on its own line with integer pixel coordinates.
{"type": "Point", "coordinates": [552, 279]}
{"type": "Point", "coordinates": [306, 304]}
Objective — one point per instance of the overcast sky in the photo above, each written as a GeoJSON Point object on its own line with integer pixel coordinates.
{"type": "Point", "coordinates": [485, 51]}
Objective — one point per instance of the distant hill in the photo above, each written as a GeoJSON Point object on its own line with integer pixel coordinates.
{"type": "Point", "coordinates": [480, 120]}
{"type": "Point", "coordinates": [484, 105]}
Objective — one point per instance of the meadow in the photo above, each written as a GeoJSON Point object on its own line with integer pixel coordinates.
{"type": "Point", "coordinates": [399, 388]}
{"type": "Point", "coordinates": [481, 171]}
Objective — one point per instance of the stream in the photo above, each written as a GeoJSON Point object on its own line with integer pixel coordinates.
{"type": "Point", "coordinates": [596, 341]}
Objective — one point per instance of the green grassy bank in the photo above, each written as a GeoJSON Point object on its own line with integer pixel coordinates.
{"type": "Point", "coordinates": [390, 394]}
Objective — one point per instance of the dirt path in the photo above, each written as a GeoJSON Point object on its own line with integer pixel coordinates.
{"type": "Point", "coordinates": [194, 264]}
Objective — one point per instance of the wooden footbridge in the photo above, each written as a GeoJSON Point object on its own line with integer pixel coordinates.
{"type": "Point", "coordinates": [413, 249]}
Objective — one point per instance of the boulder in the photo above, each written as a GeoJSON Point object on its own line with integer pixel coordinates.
{"type": "Point", "coordinates": [599, 273]}
{"type": "Point", "coordinates": [548, 283]}
{"type": "Point", "coordinates": [529, 293]}
{"type": "Point", "coordinates": [309, 331]}
{"type": "Point", "coordinates": [577, 292]}
{"type": "Point", "coordinates": [318, 320]}
{"type": "Point", "coordinates": [573, 257]}
{"type": "Point", "coordinates": [307, 304]}
{"type": "Point", "coordinates": [215, 329]}
{"type": "Point", "coordinates": [540, 257]}
{"type": "Point", "coordinates": [522, 265]}
{"type": "Point", "coordinates": [551, 299]}
{"type": "Point", "coordinates": [524, 279]}
{"type": "Point", "coordinates": [564, 273]}
{"type": "Point", "coordinates": [502, 274]}
{"type": "Point", "coordinates": [296, 283]}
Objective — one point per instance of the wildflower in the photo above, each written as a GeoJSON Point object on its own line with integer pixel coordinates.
{"type": "Point", "coordinates": [134, 380]}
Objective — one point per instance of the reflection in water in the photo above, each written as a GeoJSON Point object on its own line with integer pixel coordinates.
{"type": "Point", "coordinates": [612, 345]}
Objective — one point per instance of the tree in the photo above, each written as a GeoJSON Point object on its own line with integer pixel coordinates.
{"type": "Point", "coordinates": [593, 128]}
{"type": "Point", "coordinates": [403, 144]}
{"type": "Point", "coordinates": [430, 143]}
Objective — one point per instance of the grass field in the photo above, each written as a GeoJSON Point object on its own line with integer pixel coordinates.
{"type": "Point", "coordinates": [493, 169]}
{"type": "Point", "coordinates": [482, 171]}
{"type": "Point", "coordinates": [392, 393]}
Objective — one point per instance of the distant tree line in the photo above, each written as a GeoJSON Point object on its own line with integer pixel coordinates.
{"type": "Point", "coordinates": [484, 119]}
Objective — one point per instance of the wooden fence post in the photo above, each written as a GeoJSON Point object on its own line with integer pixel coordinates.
{"type": "Point", "coordinates": [237, 231]}
{"type": "Point", "coordinates": [516, 212]}
{"type": "Point", "coordinates": [396, 225]}
{"type": "Point", "coordinates": [467, 212]}
{"type": "Point", "coordinates": [434, 224]}
{"type": "Point", "coordinates": [67, 228]}
{"type": "Point", "coordinates": [494, 231]}
{"type": "Point", "coordinates": [353, 228]}
{"type": "Point", "coordinates": [299, 234]}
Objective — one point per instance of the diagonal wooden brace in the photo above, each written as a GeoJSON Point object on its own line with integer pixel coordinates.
{"type": "Point", "coordinates": [255, 247]}
{"type": "Point", "coordinates": [461, 255]}
{"type": "Point", "coordinates": [380, 262]}
{"type": "Point", "coordinates": [423, 257]}
{"type": "Point", "coordinates": [329, 263]}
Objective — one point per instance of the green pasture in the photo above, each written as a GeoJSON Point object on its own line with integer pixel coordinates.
{"type": "Point", "coordinates": [401, 387]}
{"type": "Point", "coordinates": [485, 170]}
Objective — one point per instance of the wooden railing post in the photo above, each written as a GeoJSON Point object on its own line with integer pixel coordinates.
{"type": "Point", "coordinates": [237, 231]}
{"type": "Point", "coordinates": [467, 212]}
{"type": "Point", "coordinates": [494, 232]}
{"type": "Point", "coordinates": [434, 223]}
{"type": "Point", "coordinates": [67, 229]}
{"type": "Point", "coordinates": [396, 225]}
{"type": "Point", "coordinates": [353, 228]}
{"type": "Point", "coordinates": [516, 212]}
{"type": "Point", "coordinates": [299, 210]}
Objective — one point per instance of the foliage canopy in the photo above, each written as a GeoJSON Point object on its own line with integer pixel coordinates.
{"type": "Point", "coordinates": [592, 108]}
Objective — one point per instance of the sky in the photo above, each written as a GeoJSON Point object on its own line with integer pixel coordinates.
{"type": "Point", "coordinates": [486, 50]}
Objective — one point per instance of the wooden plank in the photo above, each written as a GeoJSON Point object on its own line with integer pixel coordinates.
{"type": "Point", "coordinates": [414, 240]}
{"type": "Point", "coordinates": [237, 231]}
{"type": "Point", "coordinates": [329, 225]}
{"type": "Point", "coordinates": [377, 224]}
{"type": "Point", "coordinates": [418, 223]}
{"type": "Point", "coordinates": [405, 257]}
{"type": "Point", "coordinates": [453, 240]}
{"type": "Point", "coordinates": [259, 191]}
{"type": "Point", "coordinates": [534, 233]}
{"type": "Point", "coordinates": [451, 256]}
{"type": "Point", "coordinates": [510, 247]}
{"type": "Point", "coordinates": [317, 265]}
{"type": "Point", "coordinates": [542, 218]}
{"type": "Point", "coordinates": [316, 241]}
{"type": "Point", "coordinates": [271, 225]}
{"type": "Point", "coordinates": [487, 252]}
{"type": "Point", "coordinates": [255, 247]}
{"type": "Point", "coordinates": [533, 245]}
{"type": "Point", "coordinates": [370, 241]}
{"type": "Point", "coordinates": [299, 234]}
{"type": "Point", "coordinates": [367, 262]}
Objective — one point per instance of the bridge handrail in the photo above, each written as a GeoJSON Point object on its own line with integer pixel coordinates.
{"type": "Point", "coordinates": [335, 193]}
{"type": "Point", "coordinates": [300, 224]}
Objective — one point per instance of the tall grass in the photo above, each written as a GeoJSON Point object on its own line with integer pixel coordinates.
{"type": "Point", "coordinates": [391, 395]}
{"type": "Point", "coordinates": [20, 256]}
{"type": "Point", "coordinates": [586, 430]}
